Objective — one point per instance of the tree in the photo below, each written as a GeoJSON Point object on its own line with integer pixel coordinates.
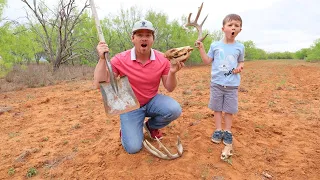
{"type": "Point", "coordinates": [2, 6]}
{"type": "Point", "coordinates": [56, 32]}
{"type": "Point", "coordinates": [302, 53]}
{"type": "Point", "coordinates": [314, 53]}
{"type": "Point", "coordinates": [120, 28]}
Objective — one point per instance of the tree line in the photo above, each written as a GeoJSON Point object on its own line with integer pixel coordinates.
{"type": "Point", "coordinates": [66, 35]}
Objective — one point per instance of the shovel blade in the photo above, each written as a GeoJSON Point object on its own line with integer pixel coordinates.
{"type": "Point", "coordinates": [121, 102]}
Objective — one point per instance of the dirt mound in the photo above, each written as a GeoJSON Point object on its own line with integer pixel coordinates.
{"type": "Point", "coordinates": [62, 131]}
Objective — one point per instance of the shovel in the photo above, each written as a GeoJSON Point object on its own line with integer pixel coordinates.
{"type": "Point", "coordinates": [118, 96]}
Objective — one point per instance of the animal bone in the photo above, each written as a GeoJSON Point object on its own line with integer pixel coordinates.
{"type": "Point", "coordinates": [227, 152]}
{"type": "Point", "coordinates": [180, 54]}
{"type": "Point", "coordinates": [167, 154]}
{"type": "Point", "coordinates": [196, 25]}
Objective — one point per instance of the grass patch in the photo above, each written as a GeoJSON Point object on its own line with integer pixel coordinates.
{"type": "Point", "coordinates": [198, 116]}
{"type": "Point", "coordinates": [32, 172]}
{"type": "Point", "coordinates": [13, 134]}
{"type": "Point", "coordinates": [33, 75]}
{"type": "Point", "coordinates": [11, 171]}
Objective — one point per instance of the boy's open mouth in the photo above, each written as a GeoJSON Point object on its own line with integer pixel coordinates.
{"type": "Point", "coordinates": [144, 45]}
{"type": "Point", "coordinates": [232, 33]}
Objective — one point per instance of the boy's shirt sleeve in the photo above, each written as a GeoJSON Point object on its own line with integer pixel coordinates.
{"type": "Point", "coordinates": [211, 50]}
{"type": "Point", "coordinates": [242, 52]}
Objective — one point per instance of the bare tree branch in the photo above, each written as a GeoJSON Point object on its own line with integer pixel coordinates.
{"type": "Point", "coordinates": [61, 28]}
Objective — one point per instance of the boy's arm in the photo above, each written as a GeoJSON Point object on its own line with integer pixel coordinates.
{"type": "Point", "coordinates": [240, 63]}
{"type": "Point", "coordinates": [239, 68]}
{"type": "Point", "coordinates": [205, 58]}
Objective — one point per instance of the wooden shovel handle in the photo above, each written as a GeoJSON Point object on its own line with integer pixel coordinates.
{"type": "Point", "coordinates": [97, 22]}
{"type": "Point", "coordinates": [101, 38]}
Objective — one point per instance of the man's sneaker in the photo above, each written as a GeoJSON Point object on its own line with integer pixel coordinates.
{"type": "Point", "coordinates": [153, 133]}
{"type": "Point", "coordinates": [217, 136]}
{"type": "Point", "coordinates": [227, 138]}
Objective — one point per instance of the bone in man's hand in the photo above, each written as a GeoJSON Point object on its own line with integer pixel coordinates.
{"type": "Point", "coordinates": [180, 54]}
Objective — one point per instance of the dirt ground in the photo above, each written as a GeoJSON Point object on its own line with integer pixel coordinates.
{"type": "Point", "coordinates": [62, 131]}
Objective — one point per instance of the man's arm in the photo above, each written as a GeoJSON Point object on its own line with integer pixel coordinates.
{"type": "Point", "coordinates": [170, 80]}
{"type": "Point", "coordinates": [100, 72]}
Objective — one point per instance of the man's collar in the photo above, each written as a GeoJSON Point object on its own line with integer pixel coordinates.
{"type": "Point", "coordinates": [134, 57]}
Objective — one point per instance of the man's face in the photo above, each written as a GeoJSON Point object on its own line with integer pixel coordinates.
{"type": "Point", "coordinates": [143, 40]}
{"type": "Point", "coordinates": [231, 29]}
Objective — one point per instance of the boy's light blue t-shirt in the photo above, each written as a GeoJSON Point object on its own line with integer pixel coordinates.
{"type": "Point", "coordinates": [225, 59]}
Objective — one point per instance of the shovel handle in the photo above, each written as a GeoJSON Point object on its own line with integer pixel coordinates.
{"type": "Point", "coordinates": [96, 19]}
{"type": "Point", "coordinates": [101, 38]}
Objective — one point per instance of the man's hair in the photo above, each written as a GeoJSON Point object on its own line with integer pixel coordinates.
{"type": "Point", "coordinates": [231, 17]}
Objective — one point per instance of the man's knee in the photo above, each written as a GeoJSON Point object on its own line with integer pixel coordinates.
{"type": "Point", "coordinates": [132, 148]}
{"type": "Point", "coordinates": [175, 111]}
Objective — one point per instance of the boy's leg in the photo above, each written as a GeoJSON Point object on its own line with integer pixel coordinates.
{"type": "Point", "coordinates": [215, 104]}
{"type": "Point", "coordinates": [218, 119]}
{"type": "Point", "coordinates": [218, 133]}
{"type": "Point", "coordinates": [162, 110]}
{"type": "Point", "coordinates": [230, 107]}
{"type": "Point", "coordinates": [132, 130]}
{"type": "Point", "coordinates": [228, 121]}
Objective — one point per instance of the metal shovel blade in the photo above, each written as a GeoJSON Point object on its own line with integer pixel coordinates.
{"type": "Point", "coordinates": [119, 102]}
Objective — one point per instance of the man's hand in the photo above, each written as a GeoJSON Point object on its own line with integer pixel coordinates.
{"type": "Point", "coordinates": [102, 48]}
{"type": "Point", "coordinates": [176, 67]}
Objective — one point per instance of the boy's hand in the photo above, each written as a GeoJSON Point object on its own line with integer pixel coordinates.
{"type": "Point", "coordinates": [199, 44]}
{"type": "Point", "coordinates": [237, 70]}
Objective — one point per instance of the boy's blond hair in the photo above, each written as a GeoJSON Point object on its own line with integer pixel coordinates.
{"type": "Point", "coordinates": [231, 17]}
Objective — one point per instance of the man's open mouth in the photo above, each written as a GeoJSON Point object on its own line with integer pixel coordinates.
{"type": "Point", "coordinates": [144, 45]}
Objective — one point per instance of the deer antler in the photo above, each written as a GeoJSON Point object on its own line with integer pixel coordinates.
{"type": "Point", "coordinates": [195, 24]}
{"type": "Point", "coordinates": [167, 154]}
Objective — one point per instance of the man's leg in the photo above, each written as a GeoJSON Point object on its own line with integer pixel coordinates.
{"type": "Point", "coordinates": [162, 110]}
{"type": "Point", "coordinates": [132, 130]}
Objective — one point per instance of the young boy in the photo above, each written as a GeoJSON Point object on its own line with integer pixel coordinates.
{"type": "Point", "coordinates": [227, 58]}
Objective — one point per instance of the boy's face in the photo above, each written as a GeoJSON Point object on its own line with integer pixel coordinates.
{"type": "Point", "coordinates": [231, 29]}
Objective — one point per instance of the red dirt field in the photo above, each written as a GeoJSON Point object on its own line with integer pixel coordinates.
{"type": "Point", "coordinates": [63, 132]}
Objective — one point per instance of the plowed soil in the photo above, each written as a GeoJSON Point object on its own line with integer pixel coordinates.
{"type": "Point", "coordinates": [63, 132]}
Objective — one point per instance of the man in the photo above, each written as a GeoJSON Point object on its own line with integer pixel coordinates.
{"type": "Point", "coordinates": [144, 67]}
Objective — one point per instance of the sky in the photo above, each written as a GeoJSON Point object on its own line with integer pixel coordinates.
{"type": "Point", "coordinates": [273, 25]}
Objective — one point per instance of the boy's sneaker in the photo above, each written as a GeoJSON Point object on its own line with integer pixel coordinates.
{"type": "Point", "coordinates": [217, 136]}
{"type": "Point", "coordinates": [227, 138]}
{"type": "Point", "coordinates": [153, 133]}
